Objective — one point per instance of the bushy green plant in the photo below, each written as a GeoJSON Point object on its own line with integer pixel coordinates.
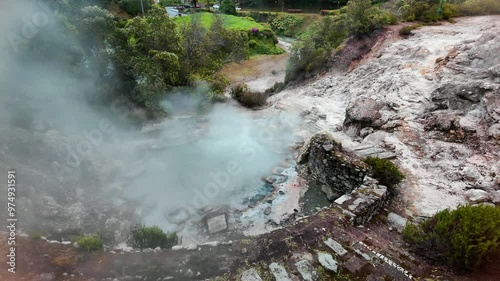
{"type": "Point", "coordinates": [166, 3]}
{"type": "Point", "coordinates": [142, 236]}
{"type": "Point", "coordinates": [385, 172]}
{"type": "Point", "coordinates": [89, 242]}
{"type": "Point", "coordinates": [276, 88]}
{"type": "Point", "coordinates": [462, 238]}
{"type": "Point", "coordinates": [287, 25]}
{"type": "Point", "coordinates": [133, 7]}
{"type": "Point", "coordinates": [362, 18]}
{"type": "Point", "coordinates": [228, 7]}
{"type": "Point", "coordinates": [312, 52]}
{"type": "Point", "coordinates": [407, 30]}
{"type": "Point", "coordinates": [247, 98]}
{"type": "Point", "coordinates": [480, 7]}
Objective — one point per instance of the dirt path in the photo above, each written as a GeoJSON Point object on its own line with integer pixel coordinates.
{"type": "Point", "coordinates": [259, 72]}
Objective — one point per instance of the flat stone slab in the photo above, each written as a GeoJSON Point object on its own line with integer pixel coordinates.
{"type": "Point", "coordinates": [217, 224]}
{"type": "Point", "coordinates": [369, 151]}
{"type": "Point", "coordinates": [327, 261]}
{"type": "Point", "coordinates": [279, 272]}
{"type": "Point", "coordinates": [250, 275]}
{"type": "Point", "coordinates": [306, 270]}
{"type": "Point", "coordinates": [335, 246]}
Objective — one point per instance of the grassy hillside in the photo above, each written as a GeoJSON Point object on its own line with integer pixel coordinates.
{"type": "Point", "coordinates": [231, 22]}
{"type": "Point", "coordinates": [262, 42]}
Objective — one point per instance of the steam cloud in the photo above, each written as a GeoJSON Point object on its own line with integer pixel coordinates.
{"type": "Point", "coordinates": [72, 151]}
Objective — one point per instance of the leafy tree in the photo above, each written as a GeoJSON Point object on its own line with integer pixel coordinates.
{"type": "Point", "coordinates": [133, 7]}
{"type": "Point", "coordinates": [462, 238]}
{"type": "Point", "coordinates": [228, 7]}
{"type": "Point", "coordinates": [206, 50]}
{"type": "Point", "coordinates": [312, 52]}
{"type": "Point", "coordinates": [361, 18]}
{"type": "Point", "coordinates": [95, 24]}
{"type": "Point", "coordinates": [146, 53]}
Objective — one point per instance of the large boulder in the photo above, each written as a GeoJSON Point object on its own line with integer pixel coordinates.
{"type": "Point", "coordinates": [363, 112]}
{"type": "Point", "coordinates": [323, 159]}
{"type": "Point", "coordinates": [494, 132]}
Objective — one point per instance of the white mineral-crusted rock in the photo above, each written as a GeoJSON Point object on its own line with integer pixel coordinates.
{"type": "Point", "coordinates": [279, 272]}
{"type": "Point", "coordinates": [250, 275]}
{"type": "Point", "coordinates": [306, 270]}
{"type": "Point", "coordinates": [335, 246]}
{"type": "Point", "coordinates": [327, 261]}
{"type": "Point", "coordinates": [477, 196]}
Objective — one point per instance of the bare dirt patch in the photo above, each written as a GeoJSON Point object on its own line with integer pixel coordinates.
{"type": "Point", "coordinates": [259, 72]}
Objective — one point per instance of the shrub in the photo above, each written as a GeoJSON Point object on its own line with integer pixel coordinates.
{"type": "Point", "coordinates": [252, 43]}
{"type": "Point", "coordinates": [311, 54]}
{"type": "Point", "coordinates": [407, 30]}
{"type": "Point", "coordinates": [166, 3]}
{"type": "Point", "coordinates": [362, 18]}
{"type": "Point", "coordinates": [462, 238]}
{"type": "Point", "coordinates": [276, 88]}
{"type": "Point", "coordinates": [480, 7]}
{"type": "Point", "coordinates": [35, 235]}
{"type": "Point", "coordinates": [385, 172]}
{"type": "Point", "coordinates": [245, 97]}
{"type": "Point", "coordinates": [228, 7]}
{"type": "Point", "coordinates": [142, 236]}
{"type": "Point", "coordinates": [287, 25]}
{"type": "Point", "coordinates": [133, 7]}
{"type": "Point", "coordinates": [89, 242]}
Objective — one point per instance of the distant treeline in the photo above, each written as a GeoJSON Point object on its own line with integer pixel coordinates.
{"type": "Point", "coordinates": [295, 4]}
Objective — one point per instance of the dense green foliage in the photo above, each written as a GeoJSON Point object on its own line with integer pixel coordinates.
{"type": "Point", "coordinates": [89, 242]}
{"type": "Point", "coordinates": [462, 238]}
{"type": "Point", "coordinates": [133, 7]}
{"type": "Point", "coordinates": [261, 40]}
{"type": "Point", "coordinates": [142, 236]}
{"type": "Point", "coordinates": [362, 18]}
{"type": "Point", "coordinates": [167, 3]}
{"type": "Point", "coordinates": [385, 172]}
{"type": "Point", "coordinates": [427, 10]}
{"type": "Point", "coordinates": [313, 51]}
{"type": "Point", "coordinates": [287, 25]}
{"type": "Point", "coordinates": [228, 7]}
{"type": "Point", "coordinates": [155, 53]}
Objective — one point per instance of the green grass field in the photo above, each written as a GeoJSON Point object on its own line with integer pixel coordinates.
{"type": "Point", "coordinates": [230, 22]}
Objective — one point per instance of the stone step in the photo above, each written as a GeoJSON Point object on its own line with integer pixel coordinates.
{"type": "Point", "coordinates": [362, 147]}
{"type": "Point", "coordinates": [387, 155]}
{"type": "Point", "coordinates": [335, 246]}
{"type": "Point", "coordinates": [326, 260]}
{"type": "Point", "coordinates": [250, 275]}
{"type": "Point", "coordinates": [306, 270]}
{"type": "Point", "coordinates": [369, 151]}
{"type": "Point", "coordinates": [279, 272]}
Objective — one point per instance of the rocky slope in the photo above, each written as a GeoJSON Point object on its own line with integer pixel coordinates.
{"type": "Point", "coordinates": [433, 99]}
